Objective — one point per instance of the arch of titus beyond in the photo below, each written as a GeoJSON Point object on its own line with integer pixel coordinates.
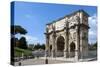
{"type": "Point", "coordinates": [68, 36]}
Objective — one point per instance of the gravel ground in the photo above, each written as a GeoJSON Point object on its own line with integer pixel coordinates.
{"type": "Point", "coordinates": [38, 62]}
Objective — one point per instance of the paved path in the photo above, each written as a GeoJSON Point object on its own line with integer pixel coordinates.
{"type": "Point", "coordinates": [41, 60]}
{"type": "Point", "coordinates": [38, 61]}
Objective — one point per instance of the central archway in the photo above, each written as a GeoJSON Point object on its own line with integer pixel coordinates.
{"type": "Point", "coordinates": [60, 46]}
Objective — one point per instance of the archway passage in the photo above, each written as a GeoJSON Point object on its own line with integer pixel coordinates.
{"type": "Point", "coordinates": [50, 50]}
{"type": "Point", "coordinates": [60, 46]}
{"type": "Point", "coordinates": [72, 49]}
{"type": "Point", "coordinates": [50, 47]}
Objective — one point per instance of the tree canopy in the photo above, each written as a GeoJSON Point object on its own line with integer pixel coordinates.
{"type": "Point", "coordinates": [93, 46]}
{"type": "Point", "coordinates": [17, 29]}
{"type": "Point", "coordinates": [39, 46]}
{"type": "Point", "coordinates": [23, 43]}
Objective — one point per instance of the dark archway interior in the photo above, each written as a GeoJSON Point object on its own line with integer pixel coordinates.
{"type": "Point", "coordinates": [60, 43]}
{"type": "Point", "coordinates": [72, 46]}
{"type": "Point", "coordinates": [72, 49]}
{"type": "Point", "coordinates": [50, 47]}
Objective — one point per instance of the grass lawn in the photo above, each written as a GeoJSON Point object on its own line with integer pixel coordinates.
{"type": "Point", "coordinates": [18, 52]}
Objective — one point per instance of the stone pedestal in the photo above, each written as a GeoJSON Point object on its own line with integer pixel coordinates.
{"type": "Point", "coordinates": [52, 53]}
{"type": "Point", "coordinates": [65, 54]}
{"type": "Point", "coordinates": [76, 55]}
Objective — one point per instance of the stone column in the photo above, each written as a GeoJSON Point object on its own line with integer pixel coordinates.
{"type": "Point", "coordinates": [81, 50]}
{"type": "Point", "coordinates": [69, 50]}
{"type": "Point", "coordinates": [66, 46]}
{"type": "Point", "coordinates": [80, 33]}
{"type": "Point", "coordinates": [53, 40]}
{"type": "Point", "coordinates": [76, 51]}
{"type": "Point", "coordinates": [47, 50]}
{"type": "Point", "coordinates": [66, 39]}
{"type": "Point", "coordinates": [77, 45]}
{"type": "Point", "coordinates": [53, 53]}
{"type": "Point", "coordinates": [53, 47]}
{"type": "Point", "coordinates": [65, 51]}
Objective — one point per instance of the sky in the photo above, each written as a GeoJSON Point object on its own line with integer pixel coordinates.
{"type": "Point", "coordinates": [34, 16]}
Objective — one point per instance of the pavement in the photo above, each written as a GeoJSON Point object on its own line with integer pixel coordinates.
{"type": "Point", "coordinates": [42, 60]}
{"type": "Point", "coordinates": [38, 61]}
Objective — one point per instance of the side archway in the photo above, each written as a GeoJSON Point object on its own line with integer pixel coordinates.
{"type": "Point", "coordinates": [60, 46]}
{"type": "Point", "coordinates": [72, 49]}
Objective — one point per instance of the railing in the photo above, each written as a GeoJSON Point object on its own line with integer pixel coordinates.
{"type": "Point", "coordinates": [72, 54]}
{"type": "Point", "coordinates": [61, 54]}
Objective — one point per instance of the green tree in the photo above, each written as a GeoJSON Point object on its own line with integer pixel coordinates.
{"type": "Point", "coordinates": [43, 46]}
{"type": "Point", "coordinates": [15, 29]}
{"type": "Point", "coordinates": [37, 46]}
{"type": "Point", "coordinates": [95, 45]}
{"type": "Point", "coordinates": [14, 41]}
{"type": "Point", "coordinates": [31, 46]}
{"type": "Point", "coordinates": [23, 43]}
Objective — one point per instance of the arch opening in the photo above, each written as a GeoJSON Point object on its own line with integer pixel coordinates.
{"type": "Point", "coordinates": [72, 49]}
{"type": "Point", "coordinates": [60, 46]}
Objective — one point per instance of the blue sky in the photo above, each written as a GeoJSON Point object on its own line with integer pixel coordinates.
{"type": "Point", "coordinates": [34, 17]}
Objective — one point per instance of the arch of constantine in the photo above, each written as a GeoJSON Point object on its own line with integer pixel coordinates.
{"type": "Point", "coordinates": [68, 36]}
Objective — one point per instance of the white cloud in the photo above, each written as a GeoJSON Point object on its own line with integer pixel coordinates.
{"type": "Point", "coordinates": [93, 20]}
{"type": "Point", "coordinates": [93, 28]}
{"type": "Point", "coordinates": [28, 16]}
{"type": "Point", "coordinates": [31, 39]}
{"type": "Point", "coordinates": [91, 33]}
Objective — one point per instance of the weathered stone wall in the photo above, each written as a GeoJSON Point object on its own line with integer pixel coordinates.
{"type": "Point", "coordinates": [74, 29]}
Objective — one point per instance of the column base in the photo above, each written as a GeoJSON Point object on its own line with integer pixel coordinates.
{"type": "Point", "coordinates": [76, 55]}
{"type": "Point", "coordinates": [52, 53]}
{"type": "Point", "coordinates": [47, 53]}
{"type": "Point", "coordinates": [65, 54]}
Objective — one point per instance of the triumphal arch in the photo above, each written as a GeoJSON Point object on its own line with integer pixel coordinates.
{"type": "Point", "coordinates": [68, 36]}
